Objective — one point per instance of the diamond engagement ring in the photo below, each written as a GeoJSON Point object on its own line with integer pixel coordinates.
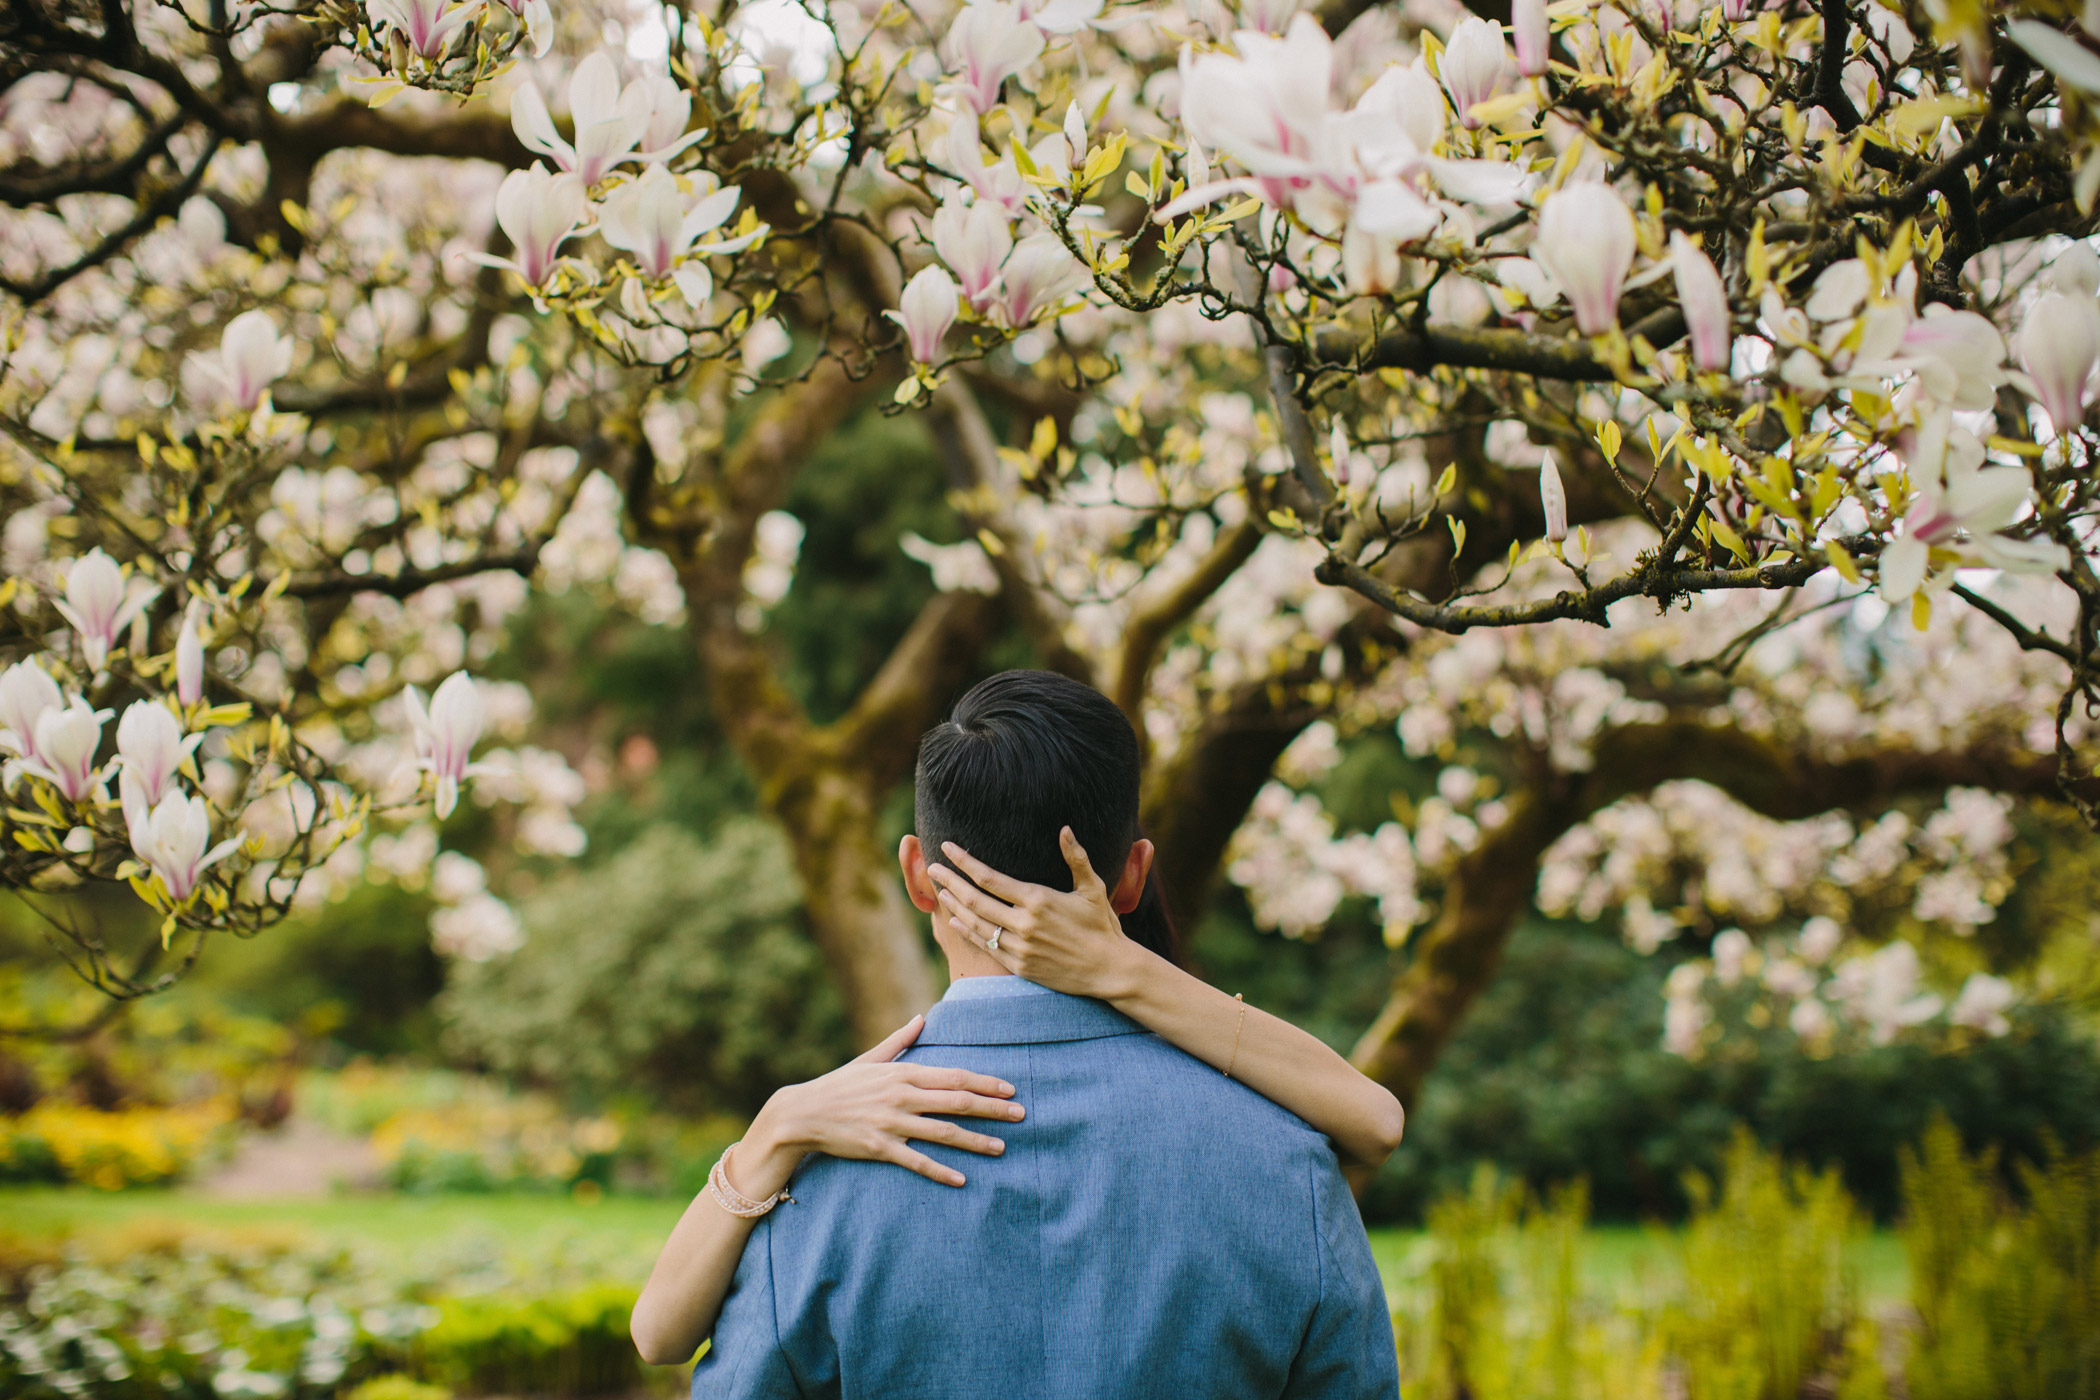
{"type": "Point", "coordinates": [993, 942]}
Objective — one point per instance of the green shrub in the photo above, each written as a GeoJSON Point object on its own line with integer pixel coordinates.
{"type": "Point", "coordinates": [676, 969]}
{"type": "Point", "coordinates": [573, 1343]}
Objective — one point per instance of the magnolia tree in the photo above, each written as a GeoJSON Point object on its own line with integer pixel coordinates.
{"type": "Point", "coordinates": [1672, 418]}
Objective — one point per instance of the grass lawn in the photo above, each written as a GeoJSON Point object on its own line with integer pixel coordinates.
{"type": "Point", "coordinates": [627, 1229]}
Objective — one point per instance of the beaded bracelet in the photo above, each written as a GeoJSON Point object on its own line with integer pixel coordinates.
{"type": "Point", "coordinates": [732, 1200]}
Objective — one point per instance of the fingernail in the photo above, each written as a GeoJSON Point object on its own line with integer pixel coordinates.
{"type": "Point", "coordinates": [1005, 1088]}
{"type": "Point", "coordinates": [1017, 1113]}
{"type": "Point", "coordinates": [997, 1147]}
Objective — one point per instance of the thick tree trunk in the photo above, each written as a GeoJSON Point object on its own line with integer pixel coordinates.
{"type": "Point", "coordinates": [1456, 958]}
{"type": "Point", "coordinates": [873, 939]}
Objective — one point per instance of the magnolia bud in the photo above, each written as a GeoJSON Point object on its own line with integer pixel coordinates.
{"type": "Point", "coordinates": [1586, 239]}
{"type": "Point", "coordinates": [1705, 304]}
{"type": "Point", "coordinates": [1338, 452]}
{"type": "Point", "coordinates": [1553, 499]}
{"type": "Point", "coordinates": [2058, 344]}
{"type": "Point", "coordinates": [1075, 133]}
{"type": "Point", "coordinates": [189, 661]}
{"type": "Point", "coordinates": [1534, 37]}
{"type": "Point", "coordinates": [926, 312]}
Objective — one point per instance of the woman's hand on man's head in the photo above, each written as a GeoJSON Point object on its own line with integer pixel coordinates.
{"type": "Point", "coordinates": [1070, 943]}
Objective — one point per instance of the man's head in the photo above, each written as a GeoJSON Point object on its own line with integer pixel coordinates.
{"type": "Point", "coordinates": [1023, 754]}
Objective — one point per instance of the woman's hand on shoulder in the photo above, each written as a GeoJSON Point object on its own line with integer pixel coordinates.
{"type": "Point", "coordinates": [872, 1108]}
{"type": "Point", "coordinates": [1070, 943]}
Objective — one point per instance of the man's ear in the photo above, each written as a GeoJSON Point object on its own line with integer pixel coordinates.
{"type": "Point", "coordinates": [1130, 885]}
{"type": "Point", "coordinates": [917, 883]}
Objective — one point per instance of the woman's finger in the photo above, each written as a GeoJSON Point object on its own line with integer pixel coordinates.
{"type": "Point", "coordinates": [945, 1077]}
{"type": "Point", "coordinates": [893, 1045]}
{"type": "Point", "coordinates": [950, 1135]}
{"type": "Point", "coordinates": [997, 881]}
{"type": "Point", "coordinates": [978, 932]}
{"type": "Point", "coordinates": [922, 1164]}
{"type": "Point", "coordinates": [968, 894]}
{"type": "Point", "coordinates": [956, 1103]}
{"type": "Point", "coordinates": [1084, 880]}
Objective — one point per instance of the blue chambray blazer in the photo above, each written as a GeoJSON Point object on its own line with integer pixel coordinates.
{"type": "Point", "coordinates": [1153, 1229]}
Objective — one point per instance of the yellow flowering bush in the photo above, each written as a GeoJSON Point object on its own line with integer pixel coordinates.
{"type": "Point", "coordinates": [114, 1148]}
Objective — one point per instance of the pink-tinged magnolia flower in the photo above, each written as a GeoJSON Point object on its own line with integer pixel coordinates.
{"type": "Point", "coordinates": [1063, 16]}
{"type": "Point", "coordinates": [1959, 357]}
{"type": "Point", "coordinates": [668, 107]}
{"type": "Point", "coordinates": [538, 18]}
{"type": "Point", "coordinates": [651, 218]}
{"type": "Point", "coordinates": [26, 693]}
{"type": "Point", "coordinates": [151, 746]}
{"type": "Point", "coordinates": [2059, 342]}
{"type": "Point", "coordinates": [1553, 499]}
{"type": "Point", "coordinates": [251, 356]}
{"type": "Point", "coordinates": [1038, 272]}
{"type": "Point", "coordinates": [1586, 241]}
{"type": "Point", "coordinates": [100, 604]}
{"type": "Point", "coordinates": [972, 239]}
{"type": "Point", "coordinates": [446, 733]}
{"type": "Point", "coordinates": [173, 838]}
{"type": "Point", "coordinates": [610, 120]}
{"type": "Point", "coordinates": [988, 43]}
{"type": "Point", "coordinates": [1976, 503]}
{"type": "Point", "coordinates": [539, 211]}
{"type": "Point", "coordinates": [427, 26]}
{"type": "Point", "coordinates": [1705, 304]}
{"type": "Point", "coordinates": [1474, 66]}
{"type": "Point", "coordinates": [1367, 169]}
{"type": "Point", "coordinates": [1734, 10]}
{"type": "Point", "coordinates": [1533, 35]}
{"type": "Point", "coordinates": [998, 183]}
{"type": "Point", "coordinates": [926, 311]}
{"type": "Point", "coordinates": [189, 660]}
{"type": "Point", "coordinates": [66, 740]}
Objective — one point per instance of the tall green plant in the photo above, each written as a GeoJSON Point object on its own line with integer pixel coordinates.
{"type": "Point", "coordinates": [1470, 1323]}
{"type": "Point", "coordinates": [1767, 1292]}
{"type": "Point", "coordinates": [2005, 1289]}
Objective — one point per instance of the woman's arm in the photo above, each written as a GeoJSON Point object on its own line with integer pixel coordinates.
{"type": "Point", "coordinates": [1073, 943]}
{"type": "Point", "coordinates": [870, 1108]}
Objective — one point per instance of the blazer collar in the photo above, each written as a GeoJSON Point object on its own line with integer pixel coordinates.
{"type": "Point", "coordinates": [1024, 1020]}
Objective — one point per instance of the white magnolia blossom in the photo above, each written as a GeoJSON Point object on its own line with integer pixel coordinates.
{"type": "Point", "coordinates": [973, 240]}
{"type": "Point", "coordinates": [173, 837]}
{"type": "Point", "coordinates": [928, 309]}
{"type": "Point", "coordinates": [427, 26]}
{"type": "Point", "coordinates": [151, 746]}
{"type": "Point", "coordinates": [100, 603]}
{"type": "Point", "coordinates": [27, 693]}
{"type": "Point", "coordinates": [1370, 169]}
{"type": "Point", "coordinates": [251, 357]}
{"type": "Point", "coordinates": [652, 218]}
{"type": "Point", "coordinates": [67, 737]}
{"type": "Point", "coordinates": [1962, 518]}
{"type": "Point", "coordinates": [2059, 342]}
{"type": "Point", "coordinates": [1533, 36]}
{"type": "Point", "coordinates": [988, 42]}
{"type": "Point", "coordinates": [538, 211]}
{"type": "Point", "coordinates": [445, 734]}
{"type": "Point", "coordinates": [1586, 244]}
{"type": "Point", "coordinates": [1475, 65]}
{"type": "Point", "coordinates": [962, 567]}
{"type": "Point", "coordinates": [612, 121]}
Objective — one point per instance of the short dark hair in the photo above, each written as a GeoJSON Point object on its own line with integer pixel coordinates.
{"type": "Point", "coordinates": [1022, 754]}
